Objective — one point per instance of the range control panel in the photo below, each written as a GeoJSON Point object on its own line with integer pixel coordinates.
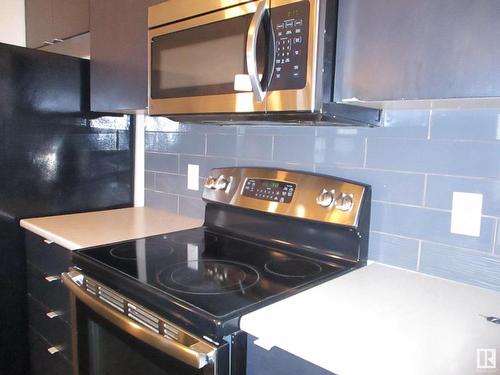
{"type": "Point", "coordinates": [289, 193]}
{"type": "Point", "coordinates": [291, 30]}
{"type": "Point", "coordinates": [269, 190]}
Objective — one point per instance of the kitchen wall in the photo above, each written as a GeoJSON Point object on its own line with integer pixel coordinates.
{"type": "Point", "coordinates": [414, 164]}
{"type": "Point", "coordinates": [12, 24]}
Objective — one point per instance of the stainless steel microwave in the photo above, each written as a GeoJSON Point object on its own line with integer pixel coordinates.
{"type": "Point", "coordinates": [232, 60]}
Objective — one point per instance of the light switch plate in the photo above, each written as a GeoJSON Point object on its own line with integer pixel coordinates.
{"type": "Point", "coordinates": [193, 182]}
{"type": "Point", "coordinates": [466, 213]}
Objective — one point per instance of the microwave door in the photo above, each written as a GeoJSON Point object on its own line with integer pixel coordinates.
{"type": "Point", "coordinates": [292, 87]}
{"type": "Point", "coordinates": [200, 65]}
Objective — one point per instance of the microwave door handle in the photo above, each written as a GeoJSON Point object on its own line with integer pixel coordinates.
{"type": "Point", "coordinates": [251, 50]}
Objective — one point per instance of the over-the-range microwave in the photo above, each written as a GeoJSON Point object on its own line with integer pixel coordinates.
{"type": "Point", "coordinates": [252, 61]}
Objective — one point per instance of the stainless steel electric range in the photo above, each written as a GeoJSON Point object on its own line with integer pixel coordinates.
{"type": "Point", "coordinates": [171, 304]}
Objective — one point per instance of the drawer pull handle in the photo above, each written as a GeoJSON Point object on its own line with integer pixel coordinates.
{"type": "Point", "coordinates": [54, 314]}
{"type": "Point", "coordinates": [53, 278]}
{"type": "Point", "coordinates": [55, 349]}
{"type": "Point", "coordinates": [48, 242]}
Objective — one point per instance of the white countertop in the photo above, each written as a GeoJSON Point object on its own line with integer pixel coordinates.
{"type": "Point", "coordinates": [383, 320]}
{"type": "Point", "coordinates": [77, 231]}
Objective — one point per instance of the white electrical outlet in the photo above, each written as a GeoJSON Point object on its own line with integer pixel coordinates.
{"type": "Point", "coordinates": [193, 182]}
{"type": "Point", "coordinates": [466, 213]}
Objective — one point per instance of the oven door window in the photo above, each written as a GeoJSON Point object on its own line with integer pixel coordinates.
{"type": "Point", "coordinates": [103, 349]}
{"type": "Point", "coordinates": [203, 60]}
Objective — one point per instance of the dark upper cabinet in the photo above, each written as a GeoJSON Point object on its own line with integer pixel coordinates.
{"type": "Point", "coordinates": [118, 45]}
{"type": "Point", "coordinates": [38, 23]}
{"type": "Point", "coordinates": [70, 17]}
{"type": "Point", "coordinates": [426, 49]}
{"type": "Point", "coordinates": [49, 21]}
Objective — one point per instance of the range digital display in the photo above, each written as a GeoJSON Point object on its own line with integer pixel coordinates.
{"type": "Point", "coordinates": [269, 190]}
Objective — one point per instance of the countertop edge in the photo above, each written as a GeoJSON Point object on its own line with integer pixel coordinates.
{"type": "Point", "coordinates": [138, 222]}
{"type": "Point", "coordinates": [50, 236]}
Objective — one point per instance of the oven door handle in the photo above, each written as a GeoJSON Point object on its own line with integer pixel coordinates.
{"type": "Point", "coordinates": [197, 354]}
{"type": "Point", "coordinates": [251, 50]}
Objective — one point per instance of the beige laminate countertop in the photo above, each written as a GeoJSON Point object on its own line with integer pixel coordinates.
{"type": "Point", "coordinates": [77, 231]}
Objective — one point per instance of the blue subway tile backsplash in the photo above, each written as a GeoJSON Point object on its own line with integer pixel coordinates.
{"type": "Point", "coordinates": [460, 265]}
{"type": "Point", "coordinates": [466, 125]}
{"type": "Point", "coordinates": [387, 186]}
{"type": "Point", "coordinates": [414, 163]}
{"type": "Point", "coordinates": [159, 162]}
{"type": "Point", "coordinates": [393, 250]}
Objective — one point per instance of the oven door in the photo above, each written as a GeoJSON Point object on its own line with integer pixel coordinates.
{"type": "Point", "coordinates": [107, 342]}
{"type": "Point", "coordinates": [255, 57]}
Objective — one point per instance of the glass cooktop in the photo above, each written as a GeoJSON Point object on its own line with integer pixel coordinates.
{"type": "Point", "coordinates": [216, 273]}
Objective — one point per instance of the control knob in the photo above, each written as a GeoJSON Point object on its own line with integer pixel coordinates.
{"type": "Point", "coordinates": [344, 202]}
{"type": "Point", "coordinates": [210, 182]}
{"type": "Point", "coordinates": [221, 182]}
{"type": "Point", "coordinates": [325, 198]}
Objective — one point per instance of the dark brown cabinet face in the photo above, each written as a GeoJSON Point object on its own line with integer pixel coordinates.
{"type": "Point", "coordinates": [49, 21]}
{"type": "Point", "coordinates": [427, 49]}
{"type": "Point", "coordinates": [70, 17]}
{"type": "Point", "coordinates": [38, 23]}
{"type": "Point", "coordinates": [118, 68]}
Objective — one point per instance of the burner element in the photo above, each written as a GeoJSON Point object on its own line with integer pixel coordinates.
{"type": "Point", "coordinates": [208, 277]}
{"type": "Point", "coordinates": [288, 267]}
{"type": "Point", "coordinates": [124, 251]}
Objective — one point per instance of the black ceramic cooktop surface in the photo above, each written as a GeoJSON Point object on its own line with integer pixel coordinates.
{"type": "Point", "coordinates": [216, 273]}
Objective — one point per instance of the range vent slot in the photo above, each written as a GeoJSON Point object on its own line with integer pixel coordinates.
{"type": "Point", "coordinates": [91, 287]}
{"type": "Point", "coordinates": [169, 331]}
{"type": "Point", "coordinates": [111, 298]}
{"type": "Point", "coordinates": [144, 317]}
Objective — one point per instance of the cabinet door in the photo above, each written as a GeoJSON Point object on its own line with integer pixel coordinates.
{"type": "Point", "coordinates": [38, 22]}
{"type": "Point", "coordinates": [70, 18]}
{"type": "Point", "coordinates": [118, 45]}
{"type": "Point", "coordinates": [426, 49]}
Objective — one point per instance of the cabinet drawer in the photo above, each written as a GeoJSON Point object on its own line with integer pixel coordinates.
{"type": "Point", "coordinates": [47, 257]}
{"type": "Point", "coordinates": [52, 294]}
{"type": "Point", "coordinates": [55, 330]}
{"type": "Point", "coordinates": [44, 363]}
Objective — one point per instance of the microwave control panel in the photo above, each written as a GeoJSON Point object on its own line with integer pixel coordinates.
{"type": "Point", "coordinates": [269, 190]}
{"type": "Point", "coordinates": [291, 31]}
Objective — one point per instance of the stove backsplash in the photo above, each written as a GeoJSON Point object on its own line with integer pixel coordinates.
{"type": "Point", "coordinates": [414, 164]}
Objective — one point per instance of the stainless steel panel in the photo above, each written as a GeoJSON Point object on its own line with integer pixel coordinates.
{"type": "Point", "coordinates": [305, 100]}
{"type": "Point", "coordinates": [185, 347]}
{"type": "Point", "coordinates": [238, 102]}
{"type": "Point", "coordinates": [175, 10]}
{"type": "Point", "coordinates": [303, 204]}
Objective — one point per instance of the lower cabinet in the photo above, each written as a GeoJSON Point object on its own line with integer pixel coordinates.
{"type": "Point", "coordinates": [48, 307]}
{"type": "Point", "coordinates": [277, 362]}
{"type": "Point", "coordinates": [44, 363]}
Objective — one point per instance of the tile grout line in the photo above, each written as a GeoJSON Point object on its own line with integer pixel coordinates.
{"type": "Point", "coordinates": [419, 253]}
{"type": "Point", "coordinates": [495, 236]}
{"type": "Point", "coordinates": [437, 209]}
{"type": "Point", "coordinates": [366, 153]}
{"type": "Point", "coordinates": [424, 196]}
{"type": "Point", "coordinates": [429, 125]}
{"type": "Point", "coordinates": [272, 147]}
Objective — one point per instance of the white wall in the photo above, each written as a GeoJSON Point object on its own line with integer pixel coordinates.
{"type": "Point", "coordinates": [12, 23]}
